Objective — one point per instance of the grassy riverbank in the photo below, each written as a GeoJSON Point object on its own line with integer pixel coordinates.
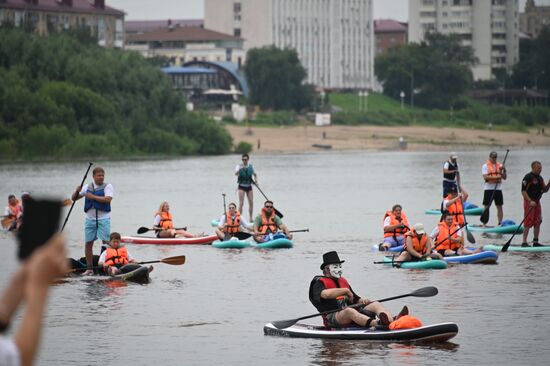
{"type": "Point", "coordinates": [380, 110]}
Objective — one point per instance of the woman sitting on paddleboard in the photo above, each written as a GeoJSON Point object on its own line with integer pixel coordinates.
{"type": "Point", "coordinates": [164, 225]}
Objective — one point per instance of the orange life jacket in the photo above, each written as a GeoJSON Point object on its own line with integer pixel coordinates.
{"type": "Point", "coordinates": [165, 220]}
{"type": "Point", "coordinates": [442, 240]}
{"type": "Point", "coordinates": [233, 226]}
{"type": "Point", "coordinates": [395, 221]}
{"type": "Point", "coordinates": [418, 245]}
{"type": "Point", "coordinates": [15, 210]}
{"type": "Point", "coordinates": [268, 223]}
{"type": "Point", "coordinates": [116, 257]}
{"type": "Point", "coordinates": [456, 210]}
{"type": "Point", "coordinates": [493, 170]}
{"type": "Point", "coordinates": [406, 322]}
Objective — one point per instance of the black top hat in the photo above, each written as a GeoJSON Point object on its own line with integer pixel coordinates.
{"type": "Point", "coordinates": [330, 258]}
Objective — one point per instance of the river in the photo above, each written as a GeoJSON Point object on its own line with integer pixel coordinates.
{"type": "Point", "coordinates": [212, 309]}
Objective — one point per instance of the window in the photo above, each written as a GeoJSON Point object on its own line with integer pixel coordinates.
{"type": "Point", "coordinates": [236, 7]}
{"type": "Point", "coordinates": [462, 2]}
{"type": "Point", "coordinates": [237, 32]}
{"type": "Point", "coordinates": [427, 14]}
{"type": "Point", "coordinates": [428, 2]}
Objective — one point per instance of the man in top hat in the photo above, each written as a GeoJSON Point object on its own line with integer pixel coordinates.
{"type": "Point", "coordinates": [332, 291]}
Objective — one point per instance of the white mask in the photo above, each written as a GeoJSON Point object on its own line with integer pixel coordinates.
{"type": "Point", "coordinates": [335, 270]}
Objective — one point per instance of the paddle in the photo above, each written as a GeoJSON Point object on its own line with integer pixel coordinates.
{"type": "Point", "coordinates": [423, 292]}
{"type": "Point", "coordinates": [484, 218]}
{"type": "Point", "coordinates": [174, 261]}
{"type": "Point", "coordinates": [225, 235]}
{"type": "Point", "coordinates": [144, 229]}
{"type": "Point", "coordinates": [277, 212]}
{"type": "Point", "coordinates": [72, 205]}
{"type": "Point", "coordinates": [469, 235]}
{"type": "Point", "coordinates": [242, 235]}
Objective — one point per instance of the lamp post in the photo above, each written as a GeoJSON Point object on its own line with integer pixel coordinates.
{"type": "Point", "coordinates": [366, 94]}
{"type": "Point", "coordinates": [402, 95]}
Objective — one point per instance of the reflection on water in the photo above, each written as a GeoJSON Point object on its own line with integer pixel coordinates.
{"type": "Point", "coordinates": [212, 309]}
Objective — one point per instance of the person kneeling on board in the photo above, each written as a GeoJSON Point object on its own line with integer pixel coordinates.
{"type": "Point", "coordinates": [418, 246]}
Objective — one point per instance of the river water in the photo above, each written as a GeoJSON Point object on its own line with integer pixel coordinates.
{"type": "Point", "coordinates": [212, 309]}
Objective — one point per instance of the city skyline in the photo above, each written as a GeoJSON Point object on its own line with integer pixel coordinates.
{"type": "Point", "coordinates": [193, 9]}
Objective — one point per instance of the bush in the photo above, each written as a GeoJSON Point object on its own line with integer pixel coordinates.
{"type": "Point", "coordinates": [243, 148]}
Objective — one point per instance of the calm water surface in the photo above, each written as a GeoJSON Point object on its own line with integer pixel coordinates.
{"type": "Point", "coordinates": [212, 309]}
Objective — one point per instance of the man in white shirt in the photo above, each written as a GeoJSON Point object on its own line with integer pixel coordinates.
{"type": "Point", "coordinates": [97, 206]}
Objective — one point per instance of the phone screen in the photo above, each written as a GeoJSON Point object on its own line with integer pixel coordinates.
{"type": "Point", "coordinates": [40, 221]}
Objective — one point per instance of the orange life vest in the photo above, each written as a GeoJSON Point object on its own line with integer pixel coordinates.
{"type": "Point", "coordinates": [268, 223]}
{"type": "Point", "coordinates": [116, 257]}
{"type": "Point", "coordinates": [233, 225]}
{"type": "Point", "coordinates": [165, 220]}
{"type": "Point", "coordinates": [456, 210]}
{"type": "Point", "coordinates": [442, 240]}
{"type": "Point", "coordinates": [15, 210]}
{"type": "Point", "coordinates": [493, 170]}
{"type": "Point", "coordinates": [395, 221]}
{"type": "Point", "coordinates": [418, 245]}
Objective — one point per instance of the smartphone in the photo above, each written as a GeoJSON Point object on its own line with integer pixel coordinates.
{"type": "Point", "coordinates": [39, 222]}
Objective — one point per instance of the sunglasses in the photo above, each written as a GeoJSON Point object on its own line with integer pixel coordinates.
{"type": "Point", "coordinates": [245, 159]}
{"type": "Point", "coordinates": [268, 206]}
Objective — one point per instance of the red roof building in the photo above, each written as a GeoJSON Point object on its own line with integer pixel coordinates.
{"type": "Point", "coordinates": [45, 16]}
{"type": "Point", "coordinates": [389, 33]}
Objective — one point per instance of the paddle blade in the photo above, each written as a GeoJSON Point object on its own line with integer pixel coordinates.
{"type": "Point", "coordinates": [425, 292]}
{"type": "Point", "coordinates": [282, 324]}
{"type": "Point", "coordinates": [175, 261]}
{"type": "Point", "coordinates": [470, 237]}
{"type": "Point", "coordinates": [278, 213]}
{"type": "Point", "coordinates": [484, 218]}
{"type": "Point", "coordinates": [142, 230]}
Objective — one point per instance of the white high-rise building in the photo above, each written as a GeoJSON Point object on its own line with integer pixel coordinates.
{"type": "Point", "coordinates": [489, 26]}
{"type": "Point", "coordinates": [334, 38]}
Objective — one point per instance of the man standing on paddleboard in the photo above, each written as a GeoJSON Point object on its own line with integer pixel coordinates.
{"type": "Point", "coordinates": [97, 206]}
{"type": "Point", "coordinates": [532, 188]}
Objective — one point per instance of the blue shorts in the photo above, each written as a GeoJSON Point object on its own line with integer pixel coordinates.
{"type": "Point", "coordinates": [101, 231]}
{"type": "Point", "coordinates": [391, 241]}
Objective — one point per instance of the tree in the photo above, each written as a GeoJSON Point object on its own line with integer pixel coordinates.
{"type": "Point", "coordinates": [437, 70]}
{"type": "Point", "coordinates": [533, 68]}
{"type": "Point", "coordinates": [276, 79]}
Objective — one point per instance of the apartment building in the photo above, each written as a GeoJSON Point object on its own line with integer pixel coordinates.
{"type": "Point", "coordinates": [535, 16]}
{"type": "Point", "coordinates": [181, 44]}
{"type": "Point", "coordinates": [46, 16]}
{"type": "Point", "coordinates": [334, 39]}
{"type": "Point", "coordinates": [490, 27]}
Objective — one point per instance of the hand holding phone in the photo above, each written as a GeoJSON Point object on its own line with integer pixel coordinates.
{"type": "Point", "coordinates": [39, 222]}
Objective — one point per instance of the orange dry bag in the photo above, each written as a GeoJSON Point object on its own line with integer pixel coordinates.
{"type": "Point", "coordinates": [406, 322]}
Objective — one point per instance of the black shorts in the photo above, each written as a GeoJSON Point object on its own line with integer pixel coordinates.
{"type": "Point", "coordinates": [243, 188]}
{"type": "Point", "coordinates": [442, 252]}
{"type": "Point", "coordinates": [498, 199]}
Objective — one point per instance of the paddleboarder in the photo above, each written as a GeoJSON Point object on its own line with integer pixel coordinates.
{"type": "Point", "coordinates": [269, 226]}
{"type": "Point", "coordinates": [493, 173]}
{"type": "Point", "coordinates": [245, 172]}
{"type": "Point", "coordinates": [97, 206]}
{"type": "Point", "coordinates": [532, 188]}
{"type": "Point", "coordinates": [331, 291]}
{"type": "Point", "coordinates": [231, 223]}
{"type": "Point", "coordinates": [116, 256]}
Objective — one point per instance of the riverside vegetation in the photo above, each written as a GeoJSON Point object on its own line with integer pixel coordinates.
{"type": "Point", "coordinates": [63, 96]}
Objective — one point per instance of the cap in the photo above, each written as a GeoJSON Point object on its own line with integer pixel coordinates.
{"type": "Point", "coordinates": [493, 154]}
{"type": "Point", "coordinates": [419, 228]}
{"type": "Point", "coordinates": [454, 155]}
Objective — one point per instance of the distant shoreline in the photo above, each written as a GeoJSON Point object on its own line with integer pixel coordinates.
{"type": "Point", "coordinates": [377, 138]}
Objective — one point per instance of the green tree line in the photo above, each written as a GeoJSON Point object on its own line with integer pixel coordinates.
{"type": "Point", "coordinates": [64, 97]}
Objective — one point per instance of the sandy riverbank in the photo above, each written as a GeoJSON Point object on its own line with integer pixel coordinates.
{"type": "Point", "coordinates": [302, 139]}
